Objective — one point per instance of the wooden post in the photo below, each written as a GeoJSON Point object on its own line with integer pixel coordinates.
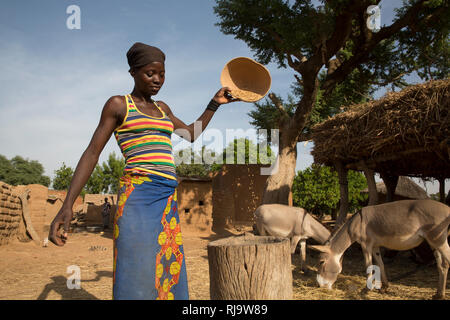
{"type": "Point", "coordinates": [343, 189]}
{"type": "Point", "coordinates": [27, 218]}
{"type": "Point", "coordinates": [250, 268]}
{"type": "Point", "coordinates": [291, 199]}
{"type": "Point", "coordinates": [370, 177]}
{"type": "Point", "coordinates": [442, 189]}
{"type": "Point", "coordinates": [390, 181]}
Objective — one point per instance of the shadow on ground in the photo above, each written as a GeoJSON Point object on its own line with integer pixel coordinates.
{"type": "Point", "coordinates": [59, 285]}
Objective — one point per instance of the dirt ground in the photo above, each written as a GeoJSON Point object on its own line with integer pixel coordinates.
{"type": "Point", "coordinates": [30, 272]}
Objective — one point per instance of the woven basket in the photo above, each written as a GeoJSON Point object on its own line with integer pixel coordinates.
{"type": "Point", "coordinates": [248, 80]}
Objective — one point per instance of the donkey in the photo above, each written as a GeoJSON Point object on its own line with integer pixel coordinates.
{"type": "Point", "coordinates": [400, 225]}
{"type": "Point", "coordinates": [290, 222]}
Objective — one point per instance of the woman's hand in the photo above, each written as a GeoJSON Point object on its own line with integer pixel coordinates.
{"type": "Point", "coordinates": [221, 96]}
{"type": "Point", "coordinates": [63, 218]}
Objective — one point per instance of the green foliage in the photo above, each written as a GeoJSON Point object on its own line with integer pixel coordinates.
{"type": "Point", "coordinates": [96, 183]}
{"type": "Point", "coordinates": [424, 45]}
{"type": "Point", "coordinates": [351, 91]}
{"type": "Point", "coordinates": [6, 169]}
{"type": "Point", "coordinates": [266, 115]}
{"type": "Point", "coordinates": [20, 171]}
{"type": "Point", "coordinates": [240, 151]}
{"type": "Point", "coordinates": [63, 177]}
{"type": "Point", "coordinates": [261, 24]}
{"type": "Point", "coordinates": [104, 178]}
{"type": "Point", "coordinates": [190, 163]}
{"type": "Point", "coordinates": [317, 190]}
{"type": "Point", "coordinates": [276, 30]}
{"type": "Point", "coordinates": [435, 196]}
{"type": "Point", "coordinates": [245, 151]}
{"type": "Point", "coordinates": [112, 171]}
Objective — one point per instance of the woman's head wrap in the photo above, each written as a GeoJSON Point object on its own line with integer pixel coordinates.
{"type": "Point", "coordinates": [141, 54]}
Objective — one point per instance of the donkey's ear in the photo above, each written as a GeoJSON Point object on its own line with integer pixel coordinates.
{"type": "Point", "coordinates": [325, 249]}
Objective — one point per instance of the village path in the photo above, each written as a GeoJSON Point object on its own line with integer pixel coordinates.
{"type": "Point", "coordinates": [30, 272]}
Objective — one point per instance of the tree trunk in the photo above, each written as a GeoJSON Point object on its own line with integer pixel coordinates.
{"type": "Point", "coordinates": [250, 268]}
{"type": "Point", "coordinates": [372, 186]}
{"type": "Point", "coordinates": [343, 189]}
{"type": "Point", "coordinates": [442, 190]}
{"type": "Point", "coordinates": [390, 181]}
{"type": "Point", "coordinates": [278, 185]}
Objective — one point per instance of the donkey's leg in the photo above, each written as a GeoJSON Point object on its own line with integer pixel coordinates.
{"type": "Point", "coordinates": [442, 254]}
{"type": "Point", "coordinates": [379, 261]}
{"type": "Point", "coordinates": [367, 252]}
{"type": "Point", "coordinates": [303, 255]}
{"type": "Point", "coordinates": [294, 242]}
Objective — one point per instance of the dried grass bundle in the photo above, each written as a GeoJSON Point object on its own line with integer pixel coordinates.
{"type": "Point", "coordinates": [414, 119]}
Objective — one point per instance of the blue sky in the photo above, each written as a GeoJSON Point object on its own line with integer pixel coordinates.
{"type": "Point", "coordinates": [55, 81]}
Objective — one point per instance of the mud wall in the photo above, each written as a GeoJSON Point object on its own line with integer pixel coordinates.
{"type": "Point", "coordinates": [10, 213]}
{"type": "Point", "coordinates": [236, 192]}
{"type": "Point", "coordinates": [43, 205]}
{"type": "Point", "coordinates": [37, 205]}
{"type": "Point", "coordinates": [57, 197]}
{"type": "Point", "coordinates": [194, 197]}
{"type": "Point", "coordinates": [93, 205]}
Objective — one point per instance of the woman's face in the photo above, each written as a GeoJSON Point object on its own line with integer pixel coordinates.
{"type": "Point", "coordinates": [149, 78]}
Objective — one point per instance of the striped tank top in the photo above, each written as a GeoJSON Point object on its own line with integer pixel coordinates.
{"type": "Point", "coordinates": [145, 142]}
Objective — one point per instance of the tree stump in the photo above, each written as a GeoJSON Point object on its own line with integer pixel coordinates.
{"type": "Point", "coordinates": [250, 267]}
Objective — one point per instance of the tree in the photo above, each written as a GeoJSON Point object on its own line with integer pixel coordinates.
{"type": "Point", "coordinates": [191, 164]}
{"type": "Point", "coordinates": [112, 171]}
{"type": "Point", "coordinates": [329, 46]}
{"type": "Point", "coordinates": [19, 171]}
{"type": "Point", "coordinates": [239, 151]}
{"type": "Point", "coordinates": [96, 182]}
{"type": "Point", "coordinates": [316, 189]}
{"type": "Point", "coordinates": [104, 178]}
{"type": "Point", "coordinates": [63, 177]}
{"type": "Point", "coordinates": [6, 169]}
{"type": "Point", "coordinates": [245, 151]}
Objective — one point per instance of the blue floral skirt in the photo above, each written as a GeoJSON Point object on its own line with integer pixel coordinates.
{"type": "Point", "coordinates": [149, 259]}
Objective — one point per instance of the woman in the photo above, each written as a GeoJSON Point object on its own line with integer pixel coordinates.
{"type": "Point", "coordinates": [148, 252]}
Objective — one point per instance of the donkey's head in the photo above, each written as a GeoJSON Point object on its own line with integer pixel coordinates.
{"type": "Point", "coordinates": [330, 265]}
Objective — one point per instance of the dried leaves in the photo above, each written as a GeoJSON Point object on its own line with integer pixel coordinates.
{"type": "Point", "coordinates": [417, 117]}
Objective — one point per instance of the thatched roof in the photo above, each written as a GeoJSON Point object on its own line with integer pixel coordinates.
{"type": "Point", "coordinates": [405, 188]}
{"type": "Point", "coordinates": [405, 133]}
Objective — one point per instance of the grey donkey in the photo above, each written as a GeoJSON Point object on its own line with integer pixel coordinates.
{"type": "Point", "coordinates": [399, 225]}
{"type": "Point", "coordinates": [290, 222]}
